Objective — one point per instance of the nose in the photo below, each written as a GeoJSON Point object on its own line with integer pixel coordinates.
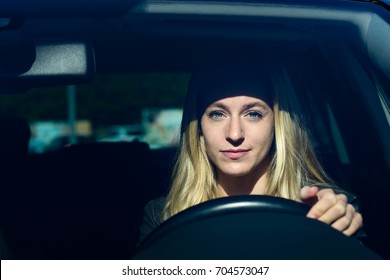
{"type": "Point", "coordinates": [235, 133]}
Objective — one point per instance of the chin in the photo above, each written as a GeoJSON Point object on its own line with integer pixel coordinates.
{"type": "Point", "coordinates": [236, 173]}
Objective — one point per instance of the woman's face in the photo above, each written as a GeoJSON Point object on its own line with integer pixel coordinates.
{"type": "Point", "coordinates": [238, 133]}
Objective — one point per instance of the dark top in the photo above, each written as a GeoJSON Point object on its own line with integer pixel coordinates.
{"type": "Point", "coordinates": [153, 210]}
{"type": "Point", "coordinates": [151, 217]}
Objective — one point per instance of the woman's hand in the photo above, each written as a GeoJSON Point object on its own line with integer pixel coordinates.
{"type": "Point", "coordinates": [332, 209]}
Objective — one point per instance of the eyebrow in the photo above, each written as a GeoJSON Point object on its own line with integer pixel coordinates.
{"type": "Point", "coordinates": [219, 105]}
{"type": "Point", "coordinates": [253, 104]}
{"type": "Point", "coordinates": [245, 107]}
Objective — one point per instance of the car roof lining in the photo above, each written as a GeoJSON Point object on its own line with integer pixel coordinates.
{"type": "Point", "coordinates": [270, 24]}
{"type": "Point", "coordinates": [65, 8]}
{"type": "Point", "coordinates": [163, 34]}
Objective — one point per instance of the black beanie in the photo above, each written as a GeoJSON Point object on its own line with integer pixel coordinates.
{"type": "Point", "coordinates": [222, 79]}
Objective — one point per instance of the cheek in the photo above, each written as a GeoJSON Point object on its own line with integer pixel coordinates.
{"type": "Point", "coordinates": [271, 133]}
{"type": "Point", "coordinates": [210, 134]}
{"type": "Point", "coordinates": [266, 138]}
{"type": "Point", "coordinates": [210, 141]}
{"type": "Point", "coordinates": [210, 148]}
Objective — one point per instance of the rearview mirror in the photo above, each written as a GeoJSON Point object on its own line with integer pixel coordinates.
{"type": "Point", "coordinates": [56, 63]}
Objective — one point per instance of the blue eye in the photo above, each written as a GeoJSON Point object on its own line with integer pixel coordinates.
{"type": "Point", "coordinates": [255, 115]}
{"type": "Point", "coordinates": [216, 115]}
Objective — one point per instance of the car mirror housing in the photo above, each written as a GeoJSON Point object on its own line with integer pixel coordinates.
{"type": "Point", "coordinates": [54, 63]}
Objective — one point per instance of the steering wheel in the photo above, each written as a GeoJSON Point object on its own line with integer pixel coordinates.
{"type": "Point", "coordinates": [249, 227]}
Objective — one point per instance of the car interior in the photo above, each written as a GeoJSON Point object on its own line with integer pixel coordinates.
{"type": "Point", "coordinates": [85, 200]}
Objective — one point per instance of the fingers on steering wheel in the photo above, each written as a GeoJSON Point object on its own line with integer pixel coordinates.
{"type": "Point", "coordinates": [331, 207]}
{"type": "Point", "coordinates": [335, 211]}
{"type": "Point", "coordinates": [356, 223]}
{"type": "Point", "coordinates": [345, 221]}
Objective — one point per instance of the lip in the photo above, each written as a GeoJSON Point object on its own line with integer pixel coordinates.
{"type": "Point", "coordinates": [235, 154]}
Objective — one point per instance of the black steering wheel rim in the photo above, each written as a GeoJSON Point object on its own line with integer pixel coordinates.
{"type": "Point", "coordinates": [249, 227]}
{"type": "Point", "coordinates": [231, 205]}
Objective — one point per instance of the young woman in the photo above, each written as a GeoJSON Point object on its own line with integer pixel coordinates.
{"type": "Point", "coordinates": [241, 135]}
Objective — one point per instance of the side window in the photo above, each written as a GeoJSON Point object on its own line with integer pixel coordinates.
{"type": "Point", "coordinates": [347, 114]}
{"type": "Point", "coordinates": [382, 84]}
{"type": "Point", "coordinates": [342, 128]}
{"type": "Point", "coordinates": [337, 136]}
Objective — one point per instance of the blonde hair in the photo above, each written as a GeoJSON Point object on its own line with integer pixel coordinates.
{"type": "Point", "coordinates": [293, 164]}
